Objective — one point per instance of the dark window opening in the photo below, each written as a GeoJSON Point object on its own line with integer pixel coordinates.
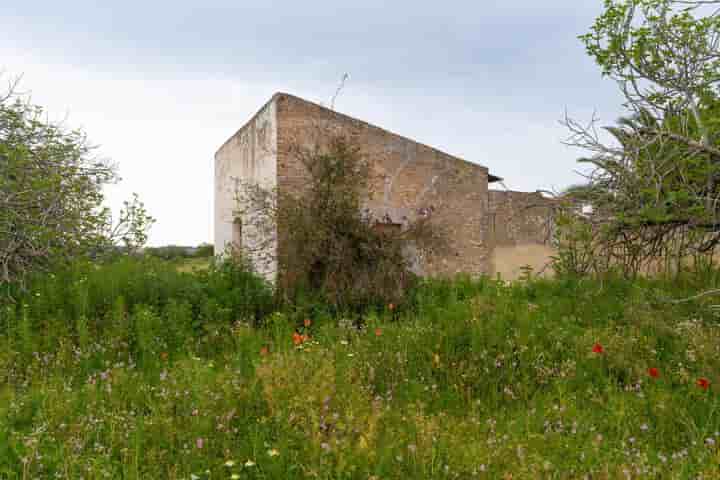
{"type": "Point", "coordinates": [237, 233]}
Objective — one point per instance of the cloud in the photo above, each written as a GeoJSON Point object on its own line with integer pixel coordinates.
{"type": "Point", "coordinates": [160, 85]}
{"type": "Point", "coordinates": [161, 132]}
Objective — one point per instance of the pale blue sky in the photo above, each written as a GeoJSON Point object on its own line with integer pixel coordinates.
{"type": "Point", "coordinates": [160, 85]}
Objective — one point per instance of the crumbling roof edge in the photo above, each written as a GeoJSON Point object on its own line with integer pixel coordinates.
{"type": "Point", "coordinates": [354, 119]}
{"type": "Point", "coordinates": [250, 121]}
{"type": "Point", "coordinates": [348, 117]}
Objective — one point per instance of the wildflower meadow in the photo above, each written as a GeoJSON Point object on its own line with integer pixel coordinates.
{"type": "Point", "coordinates": [137, 369]}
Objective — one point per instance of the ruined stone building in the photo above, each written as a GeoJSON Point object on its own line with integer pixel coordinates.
{"type": "Point", "coordinates": [491, 231]}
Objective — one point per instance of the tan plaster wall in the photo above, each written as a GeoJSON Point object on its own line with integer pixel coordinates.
{"type": "Point", "coordinates": [510, 261]}
{"type": "Point", "coordinates": [249, 156]}
{"type": "Point", "coordinates": [407, 176]}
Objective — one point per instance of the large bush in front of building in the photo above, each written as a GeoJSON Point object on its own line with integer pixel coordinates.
{"type": "Point", "coordinates": [335, 248]}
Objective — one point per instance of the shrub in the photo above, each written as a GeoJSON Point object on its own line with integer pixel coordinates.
{"type": "Point", "coordinates": [141, 297]}
{"type": "Point", "coordinates": [204, 250]}
{"type": "Point", "coordinates": [332, 247]}
{"type": "Point", "coordinates": [168, 252]}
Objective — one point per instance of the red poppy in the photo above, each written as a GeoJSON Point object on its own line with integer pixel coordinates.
{"type": "Point", "coordinates": [378, 332]}
{"type": "Point", "coordinates": [307, 322]}
{"type": "Point", "coordinates": [297, 338]}
{"type": "Point", "coordinates": [653, 372]}
{"type": "Point", "coordinates": [305, 337]}
{"type": "Point", "coordinates": [597, 348]}
{"type": "Point", "coordinates": [264, 351]}
{"type": "Point", "coordinates": [703, 383]}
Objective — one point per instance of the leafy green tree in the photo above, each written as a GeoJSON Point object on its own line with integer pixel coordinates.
{"type": "Point", "coordinates": [51, 195]}
{"type": "Point", "coordinates": [655, 186]}
{"type": "Point", "coordinates": [205, 250]}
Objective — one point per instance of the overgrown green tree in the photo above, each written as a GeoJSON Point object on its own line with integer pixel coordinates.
{"type": "Point", "coordinates": [655, 186]}
{"type": "Point", "coordinates": [51, 195]}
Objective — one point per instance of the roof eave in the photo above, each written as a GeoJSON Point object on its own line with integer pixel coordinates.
{"type": "Point", "coordinates": [492, 178]}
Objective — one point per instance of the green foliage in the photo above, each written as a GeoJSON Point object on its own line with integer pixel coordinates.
{"type": "Point", "coordinates": [169, 252]}
{"type": "Point", "coordinates": [333, 248]}
{"type": "Point", "coordinates": [131, 228]}
{"type": "Point", "coordinates": [148, 376]}
{"type": "Point", "coordinates": [51, 199]}
{"type": "Point", "coordinates": [138, 297]}
{"type": "Point", "coordinates": [642, 196]}
{"type": "Point", "coordinates": [576, 255]}
{"type": "Point", "coordinates": [667, 48]}
{"type": "Point", "coordinates": [655, 188]}
{"type": "Point", "coordinates": [177, 252]}
{"type": "Point", "coordinates": [50, 188]}
{"type": "Point", "coordinates": [204, 250]}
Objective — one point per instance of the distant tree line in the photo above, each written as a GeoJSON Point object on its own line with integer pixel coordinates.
{"type": "Point", "coordinates": [175, 252]}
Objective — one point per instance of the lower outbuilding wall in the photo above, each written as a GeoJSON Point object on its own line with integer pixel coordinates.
{"type": "Point", "coordinates": [521, 230]}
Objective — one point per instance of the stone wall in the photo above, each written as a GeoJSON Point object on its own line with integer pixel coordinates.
{"type": "Point", "coordinates": [520, 229]}
{"type": "Point", "coordinates": [406, 178]}
{"type": "Point", "coordinates": [248, 157]}
{"type": "Point", "coordinates": [488, 232]}
{"type": "Point", "coordinates": [519, 217]}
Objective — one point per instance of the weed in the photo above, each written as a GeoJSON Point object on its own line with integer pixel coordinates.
{"type": "Point", "coordinates": [136, 370]}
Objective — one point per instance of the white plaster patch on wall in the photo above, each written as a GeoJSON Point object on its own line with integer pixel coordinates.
{"type": "Point", "coordinates": [249, 157]}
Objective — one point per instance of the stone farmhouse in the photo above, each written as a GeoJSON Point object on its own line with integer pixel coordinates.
{"type": "Point", "coordinates": [491, 231]}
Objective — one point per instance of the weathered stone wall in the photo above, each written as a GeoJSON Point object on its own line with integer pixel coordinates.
{"type": "Point", "coordinates": [520, 230]}
{"type": "Point", "coordinates": [519, 217]}
{"type": "Point", "coordinates": [248, 157]}
{"type": "Point", "coordinates": [488, 232]}
{"type": "Point", "coordinates": [407, 177]}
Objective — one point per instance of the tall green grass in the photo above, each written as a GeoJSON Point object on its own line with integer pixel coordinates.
{"type": "Point", "coordinates": [137, 370]}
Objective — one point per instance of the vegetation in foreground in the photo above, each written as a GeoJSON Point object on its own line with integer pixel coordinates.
{"type": "Point", "coordinates": [137, 370]}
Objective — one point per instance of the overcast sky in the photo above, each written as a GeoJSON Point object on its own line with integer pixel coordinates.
{"type": "Point", "coordinates": [160, 85]}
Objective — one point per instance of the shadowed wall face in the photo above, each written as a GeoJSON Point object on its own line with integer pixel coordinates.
{"type": "Point", "coordinates": [248, 157]}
